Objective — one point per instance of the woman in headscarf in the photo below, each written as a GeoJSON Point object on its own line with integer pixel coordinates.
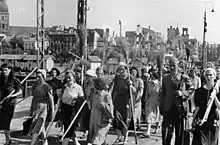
{"type": "Point", "coordinates": [138, 83]}
{"type": "Point", "coordinates": [72, 95]}
{"type": "Point", "coordinates": [101, 112]}
{"type": "Point", "coordinates": [152, 103]}
{"type": "Point", "coordinates": [42, 106]}
{"type": "Point", "coordinates": [207, 132]}
{"type": "Point", "coordinates": [121, 98]}
{"type": "Point", "coordinates": [8, 83]}
{"type": "Point", "coordinates": [88, 89]}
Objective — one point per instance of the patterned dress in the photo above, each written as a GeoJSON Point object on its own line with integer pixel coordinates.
{"type": "Point", "coordinates": [101, 117]}
{"type": "Point", "coordinates": [40, 105]}
{"type": "Point", "coordinates": [138, 84]}
{"type": "Point", "coordinates": [8, 106]}
{"type": "Point", "coordinates": [152, 102]}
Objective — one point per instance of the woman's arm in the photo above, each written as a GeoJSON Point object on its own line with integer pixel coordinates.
{"type": "Point", "coordinates": [140, 90]}
{"type": "Point", "coordinates": [195, 112]}
{"type": "Point", "coordinates": [217, 103]}
{"type": "Point", "coordinates": [195, 116]}
{"type": "Point", "coordinates": [17, 93]}
{"type": "Point", "coordinates": [107, 104]}
{"type": "Point", "coordinates": [131, 85]}
{"type": "Point", "coordinates": [50, 94]}
{"type": "Point", "coordinates": [17, 88]}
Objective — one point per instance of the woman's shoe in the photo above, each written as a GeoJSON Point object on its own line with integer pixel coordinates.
{"type": "Point", "coordinates": [125, 142]}
{"type": "Point", "coordinates": [118, 141]}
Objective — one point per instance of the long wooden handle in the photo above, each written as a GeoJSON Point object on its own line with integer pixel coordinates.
{"type": "Point", "coordinates": [51, 123]}
{"type": "Point", "coordinates": [132, 106]}
{"type": "Point", "coordinates": [210, 102]}
{"type": "Point", "coordinates": [74, 119]}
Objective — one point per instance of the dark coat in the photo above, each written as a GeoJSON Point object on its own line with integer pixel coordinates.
{"type": "Point", "coordinates": [170, 86]}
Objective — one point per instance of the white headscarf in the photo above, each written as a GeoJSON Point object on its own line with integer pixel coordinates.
{"type": "Point", "coordinates": [210, 69]}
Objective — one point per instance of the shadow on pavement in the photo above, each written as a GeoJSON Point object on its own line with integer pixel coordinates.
{"type": "Point", "coordinates": [19, 139]}
{"type": "Point", "coordinates": [21, 114]}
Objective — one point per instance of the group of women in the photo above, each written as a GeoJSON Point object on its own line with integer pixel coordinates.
{"type": "Point", "coordinates": [206, 133]}
{"type": "Point", "coordinates": [71, 97]}
{"type": "Point", "coordinates": [145, 86]}
{"type": "Point", "coordinates": [68, 95]}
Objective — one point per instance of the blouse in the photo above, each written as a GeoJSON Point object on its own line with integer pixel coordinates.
{"type": "Point", "coordinates": [72, 93]}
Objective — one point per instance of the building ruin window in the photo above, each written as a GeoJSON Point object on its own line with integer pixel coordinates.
{"type": "Point", "coordinates": [3, 26]}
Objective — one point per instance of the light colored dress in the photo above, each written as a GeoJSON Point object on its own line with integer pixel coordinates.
{"type": "Point", "coordinates": [139, 84]}
{"type": "Point", "coordinates": [42, 93]}
{"type": "Point", "coordinates": [152, 102]}
{"type": "Point", "coordinates": [101, 117]}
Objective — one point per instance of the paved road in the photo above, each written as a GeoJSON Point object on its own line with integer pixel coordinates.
{"type": "Point", "coordinates": [18, 139]}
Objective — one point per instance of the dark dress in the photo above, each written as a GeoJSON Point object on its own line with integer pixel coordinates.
{"type": "Point", "coordinates": [120, 101]}
{"type": "Point", "coordinates": [88, 89]}
{"type": "Point", "coordinates": [56, 84]}
{"type": "Point", "coordinates": [207, 133]}
{"type": "Point", "coordinates": [7, 110]}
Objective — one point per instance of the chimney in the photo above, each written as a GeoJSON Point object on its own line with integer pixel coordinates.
{"type": "Point", "coordinates": [107, 31]}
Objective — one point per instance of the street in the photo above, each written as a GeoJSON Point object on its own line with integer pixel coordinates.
{"type": "Point", "coordinates": [18, 138]}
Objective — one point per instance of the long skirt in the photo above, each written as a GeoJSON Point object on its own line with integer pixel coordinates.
{"type": "Point", "coordinates": [137, 112]}
{"type": "Point", "coordinates": [101, 132]}
{"type": "Point", "coordinates": [68, 112]}
{"type": "Point", "coordinates": [152, 112]}
{"type": "Point", "coordinates": [6, 115]}
{"type": "Point", "coordinates": [39, 123]}
{"type": "Point", "coordinates": [98, 128]}
{"type": "Point", "coordinates": [86, 118]}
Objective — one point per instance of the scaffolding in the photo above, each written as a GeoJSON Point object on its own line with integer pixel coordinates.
{"type": "Point", "coordinates": [40, 31]}
{"type": "Point", "coordinates": [82, 24]}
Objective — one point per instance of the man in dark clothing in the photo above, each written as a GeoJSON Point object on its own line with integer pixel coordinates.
{"type": "Point", "coordinates": [175, 88]}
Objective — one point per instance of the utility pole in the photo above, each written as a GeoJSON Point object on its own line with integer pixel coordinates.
{"type": "Point", "coordinates": [82, 24]}
{"type": "Point", "coordinates": [204, 48]}
{"type": "Point", "coordinates": [40, 31]}
{"type": "Point", "coordinates": [204, 56]}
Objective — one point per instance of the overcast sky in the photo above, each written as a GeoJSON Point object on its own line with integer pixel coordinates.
{"type": "Point", "coordinates": [159, 14]}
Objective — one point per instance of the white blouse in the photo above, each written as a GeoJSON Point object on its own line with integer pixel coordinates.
{"type": "Point", "coordinates": [71, 93]}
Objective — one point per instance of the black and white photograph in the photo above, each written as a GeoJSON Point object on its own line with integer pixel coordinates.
{"type": "Point", "coordinates": [109, 72]}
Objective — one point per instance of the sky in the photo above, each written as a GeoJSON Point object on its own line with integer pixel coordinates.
{"type": "Point", "coordinates": [158, 14]}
